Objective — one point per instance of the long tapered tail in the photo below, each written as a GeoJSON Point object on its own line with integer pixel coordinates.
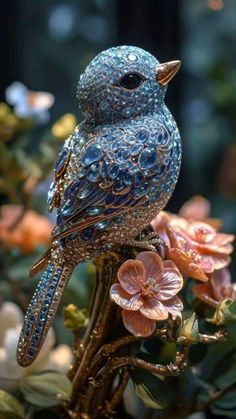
{"type": "Point", "coordinates": [42, 310]}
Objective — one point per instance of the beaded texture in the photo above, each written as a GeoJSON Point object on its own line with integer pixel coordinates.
{"type": "Point", "coordinates": [113, 175]}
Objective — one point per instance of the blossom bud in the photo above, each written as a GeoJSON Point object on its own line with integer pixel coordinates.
{"type": "Point", "coordinates": [189, 332]}
{"type": "Point", "coordinates": [225, 313]}
{"type": "Point", "coordinates": [75, 318]}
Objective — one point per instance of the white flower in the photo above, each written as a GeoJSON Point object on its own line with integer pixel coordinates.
{"type": "Point", "coordinates": [57, 359]}
{"type": "Point", "coordinates": [29, 104]}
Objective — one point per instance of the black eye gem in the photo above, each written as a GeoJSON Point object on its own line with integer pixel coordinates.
{"type": "Point", "coordinates": [131, 81]}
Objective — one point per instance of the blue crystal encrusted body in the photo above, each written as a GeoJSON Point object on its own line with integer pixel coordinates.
{"type": "Point", "coordinates": [113, 175]}
{"type": "Point", "coordinates": [124, 157]}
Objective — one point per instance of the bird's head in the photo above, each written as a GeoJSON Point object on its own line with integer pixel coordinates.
{"type": "Point", "coordinates": [123, 82]}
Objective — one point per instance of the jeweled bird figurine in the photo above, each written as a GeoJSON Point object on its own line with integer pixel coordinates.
{"type": "Point", "coordinates": [113, 175]}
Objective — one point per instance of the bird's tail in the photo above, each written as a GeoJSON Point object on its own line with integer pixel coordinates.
{"type": "Point", "coordinates": [41, 311]}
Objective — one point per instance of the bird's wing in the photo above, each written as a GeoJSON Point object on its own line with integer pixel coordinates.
{"type": "Point", "coordinates": [63, 158]}
{"type": "Point", "coordinates": [112, 179]}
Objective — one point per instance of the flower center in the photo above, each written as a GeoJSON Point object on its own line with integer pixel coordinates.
{"type": "Point", "coordinates": [150, 288]}
{"type": "Point", "coordinates": [194, 255]}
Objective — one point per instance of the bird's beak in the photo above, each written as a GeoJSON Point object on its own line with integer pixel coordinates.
{"type": "Point", "coordinates": [166, 71]}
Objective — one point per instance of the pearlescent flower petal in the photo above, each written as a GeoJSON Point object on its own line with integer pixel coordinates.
{"type": "Point", "coordinates": [152, 263]}
{"type": "Point", "coordinates": [156, 310]}
{"type": "Point", "coordinates": [174, 306]}
{"type": "Point", "coordinates": [218, 288]}
{"type": "Point", "coordinates": [221, 279]}
{"type": "Point", "coordinates": [186, 265]}
{"type": "Point", "coordinates": [195, 246]}
{"type": "Point", "coordinates": [197, 208]}
{"type": "Point", "coordinates": [170, 283]}
{"type": "Point", "coordinates": [204, 293]}
{"type": "Point", "coordinates": [137, 324]}
{"type": "Point", "coordinates": [153, 309]}
{"type": "Point", "coordinates": [125, 300]}
{"type": "Point", "coordinates": [131, 276]}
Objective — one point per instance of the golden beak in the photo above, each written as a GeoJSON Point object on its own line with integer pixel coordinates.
{"type": "Point", "coordinates": [166, 71]}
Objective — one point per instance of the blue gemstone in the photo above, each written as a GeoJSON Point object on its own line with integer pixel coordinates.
{"type": "Point", "coordinates": [119, 186]}
{"type": "Point", "coordinates": [116, 145]}
{"type": "Point", "coordinates": [120, 200]}
{"type": "Point", "coordinates": [128, 179]}
{"type": "Point", "coordinates": [92, 211]}
{"type": "Point", "coordinates": [138, 193]}
{"type": "Point", "coordinates": [109, 211]}
{"type": "Point", "coordinates": [84, 193]}
{"type": "Point", "coordinates": [147, 158]}
{"type": "Point", "coordinates": [102, 225]}
{"type": "Point", "coordinates": [73, 187]}
{"type": "Point", "coordinates": [110, 198]}
{"type": "Point", "coordinates": [87, 234]}
{"type": "Point", "coordinates": [69, 207]}
{"type": "Point", "coordinates": [59, 219]}
{"type": "Point", "coordinates": [81, 173]}
{"type": "Point", "coordinates": [62, 157]}
{"type": "Point", "coordinates": [93, 172]}
{"type": "Point", "coordinates": [130, 139]}
{"type": "Point", "coordinates": [122, 154]}
{"type": "Point", "coordinates": [138, 178]}
{"type": "Point", "coordinates": [118, 220]}
{"type": "Point", "coordinates": [110, 137]}
{"type": "Point", "coordinates": [93, 154]}
{"type": "Point", "coordinates": [104, 169]}
{"type": "Point", "coordinates": [128, 112]}
{"type": "Point", "coordinates": [62, 243]}
{"type": "Point", "coordinates": [113, 171]}
{"type": "Point", "coordinates": [134, 169]}
{"type": "Point", "coordinates": [136, 149]}
{"type": "Point", "coordinates": [51, 192]}
{"type": "Point", "coordinates": [73, 236]}
{"type": "Point", "coordinates": [142, 136]}
{"type": "Point", "coordinates": [159, 138]}
{"type": "Point", "coordinates": [166, 135]}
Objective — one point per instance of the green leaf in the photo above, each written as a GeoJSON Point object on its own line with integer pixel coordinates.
{"type": "Point", "coordinates": [155, 391]}
{"type": "Point", "coordinates": [148, 398]}
{"type": "Point", "coordinates": [10, 408]}
{"type": "Point", "coordinates": [219, 373]}
{"type": "Point", "coordinates": [46, 389]}
{"type": "Point", "coordinates": [215, 358]}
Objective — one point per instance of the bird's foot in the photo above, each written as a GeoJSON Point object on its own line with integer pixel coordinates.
{"type": "Point", "coordinates": [144, 245]}
{"type": "Point", "coordinates": [151, 242]}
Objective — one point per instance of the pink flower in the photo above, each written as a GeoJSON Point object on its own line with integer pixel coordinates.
{"type": "Point", "coordinates": [198, 208]}
{"type": "Point", "coordinates": [195, 247]}
{"type": "Point", "coordinates": [218, 288]}
{"type": "Point", "coordinates": [146, 292]}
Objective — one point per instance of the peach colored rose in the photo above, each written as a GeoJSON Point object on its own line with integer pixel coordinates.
{"type": "Point", "coordinates": [146, 292]}
{"type": "Point", "coordinates": [218, 288]}
{"type": "Point", "coordinates": [32, 230]}
{"type": "Point", "coordinates": [195, 247]}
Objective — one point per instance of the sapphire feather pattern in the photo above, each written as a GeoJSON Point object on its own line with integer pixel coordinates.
{"type": "Point", "coordinates": [114, 173]}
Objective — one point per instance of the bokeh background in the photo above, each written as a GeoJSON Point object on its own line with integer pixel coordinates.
{"type": "Point", "coordinates": [46, 44]}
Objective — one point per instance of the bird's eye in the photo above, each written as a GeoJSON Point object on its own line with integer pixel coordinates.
{"type": "Point", "coordinates": [131, 81]}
